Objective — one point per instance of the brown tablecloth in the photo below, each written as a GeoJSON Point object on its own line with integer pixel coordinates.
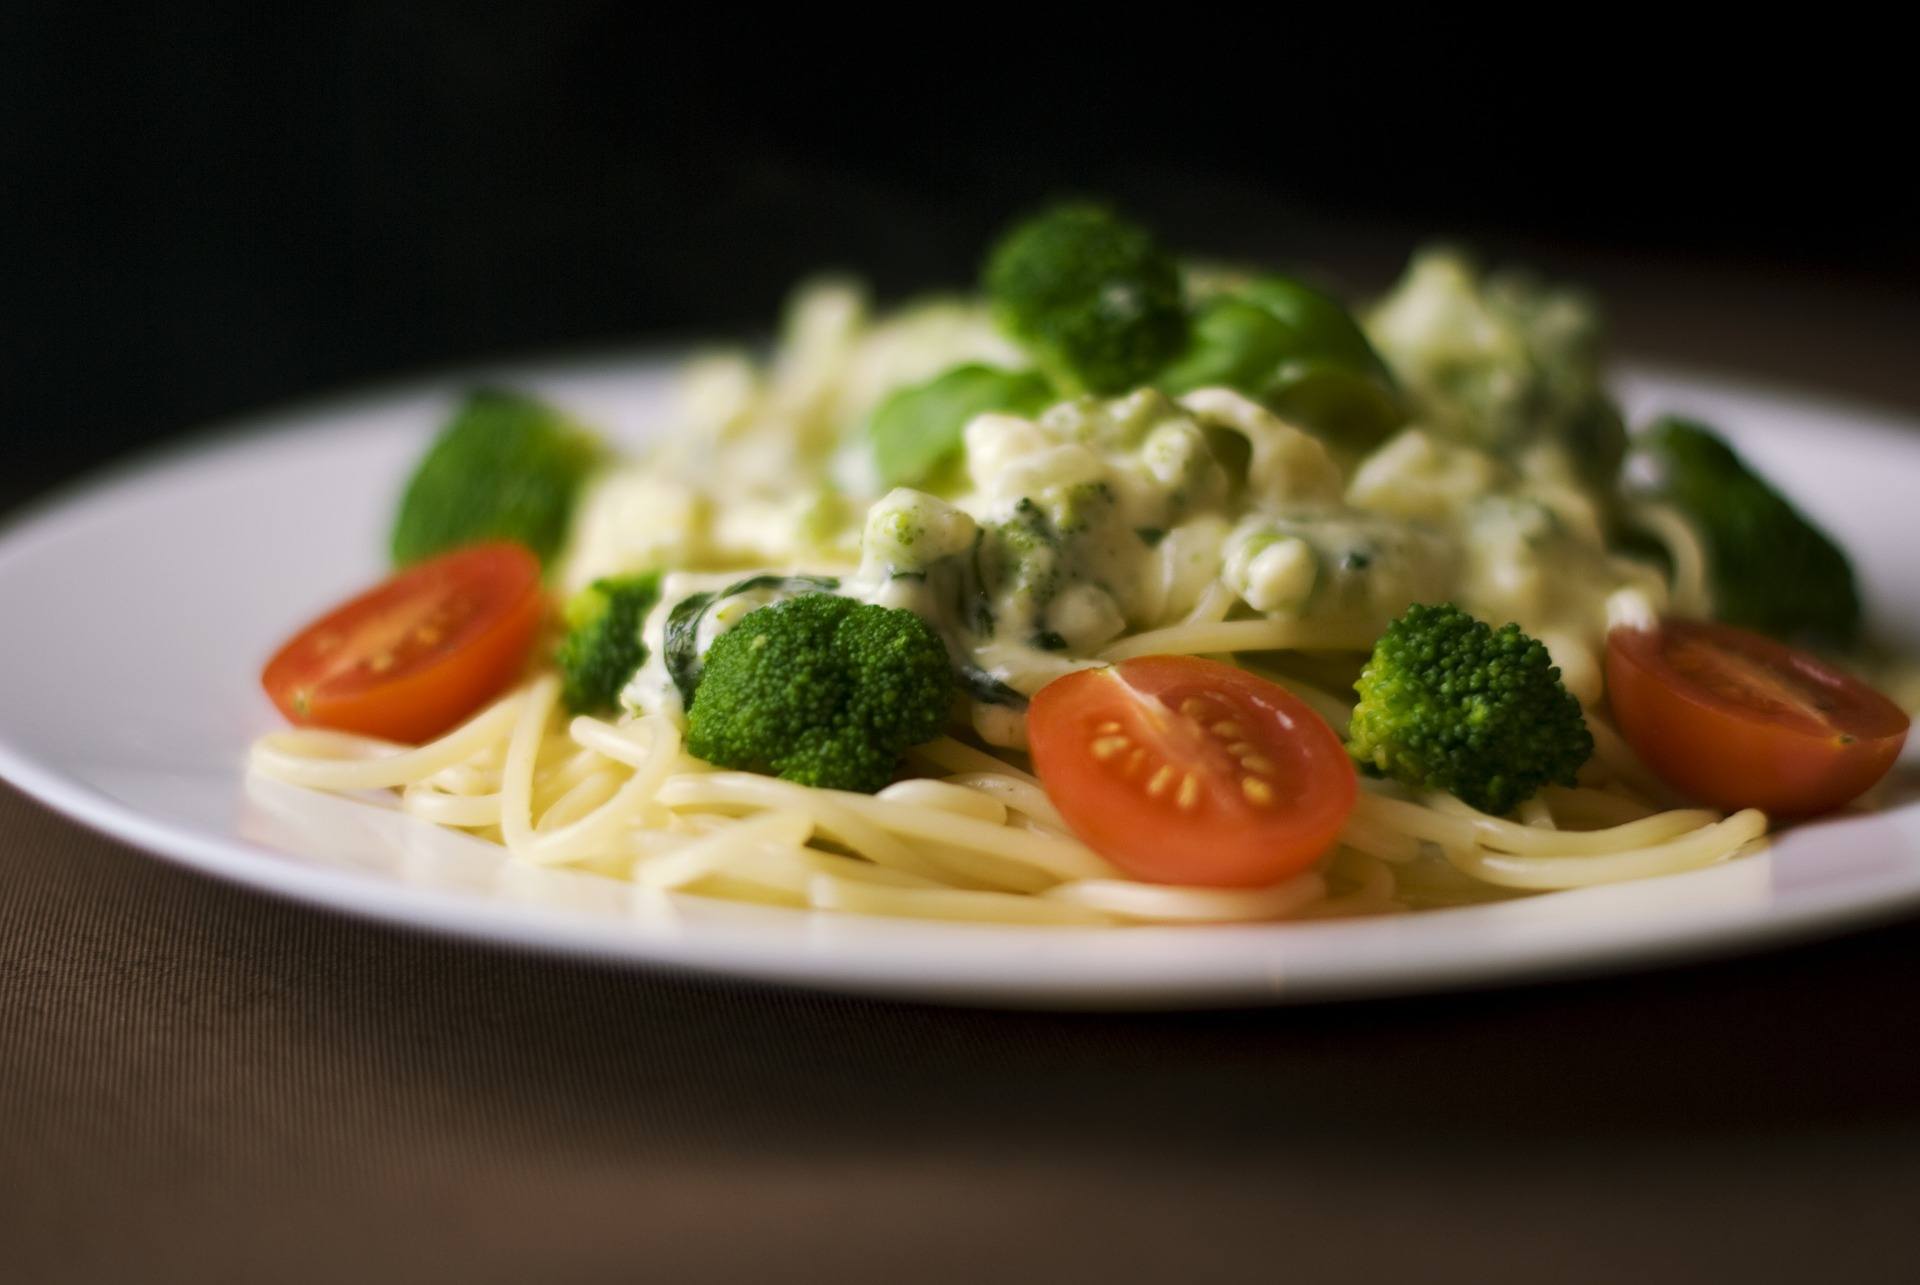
{"type": "Point", "coordinates": [201, 1084]}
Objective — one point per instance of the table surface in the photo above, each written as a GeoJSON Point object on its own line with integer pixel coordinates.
{"type": "Point", "coordinates": [200, 1083]}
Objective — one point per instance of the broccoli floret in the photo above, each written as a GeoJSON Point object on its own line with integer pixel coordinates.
{"type": "Point", "coordinates": [1094, 299]}
{"type": "Point", "coordinates": [1770, 568]}
{"type": "Point", "coordinates": [1298, 350]}
{"type": "Point", "coordinates": [821, 690]}
{"type": "Point", "coordinates": [680, 642]}
{"type": "Point", "coordinates": [507, 467]}
{"type": "Point", "coordinates": [603, 648]}
{"type": "Point", "coordinates": [1447, 703]}
{"type": "Point", "coordinates": [917, 433]}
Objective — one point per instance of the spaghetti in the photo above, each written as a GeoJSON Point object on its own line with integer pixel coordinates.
{"type": "Point", "coordinates": [971, 835]}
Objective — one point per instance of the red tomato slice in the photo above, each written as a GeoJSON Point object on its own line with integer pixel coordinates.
{"type": "Point", "coordinates": [410, 659]}
{"type": "Point", "coordinates": [1740, 721]}
{"type": "Point", "coordinates": [1181, 770]}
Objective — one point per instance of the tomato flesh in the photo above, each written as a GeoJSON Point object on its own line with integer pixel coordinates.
{"type": "Point", "coordinates": [1738, 720]}
{"type": "Point", "coordinates": [1189, 771]}
{"type": "Point", "coordinates": [410, 658]}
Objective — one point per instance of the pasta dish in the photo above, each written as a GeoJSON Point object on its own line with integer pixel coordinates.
{"type": "Point", "coordinates": [1125, 590]}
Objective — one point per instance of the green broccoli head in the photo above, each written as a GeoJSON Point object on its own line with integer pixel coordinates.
{"type": "Point", "coordinates": [1094, 299]}
{"type": "Point", "coordinates": [821, 690]}
{"type": "Point", "coordinates": [1447, 703]}
{"type": "Point", "coordinates": [603, 647]}
{"type": "Point", "coordinates": [1771, 569]}
{"type": "Point", "coordinates": [507, 467]}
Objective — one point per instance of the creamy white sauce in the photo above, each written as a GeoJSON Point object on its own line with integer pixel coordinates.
{"type": "Point", "coordinates": [1100, 519]}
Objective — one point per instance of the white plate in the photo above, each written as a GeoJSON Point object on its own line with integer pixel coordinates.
{"type": "Point", "coordinates": [137, 613]}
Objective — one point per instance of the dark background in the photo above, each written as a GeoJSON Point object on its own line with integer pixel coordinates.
{"type": "Point", "coordinates": [211, 208]}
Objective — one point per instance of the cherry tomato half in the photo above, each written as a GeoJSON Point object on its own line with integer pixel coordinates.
{"type": "Point", "coordinates": [1737, 720]}
{"type": "Point", "coordinates": [409, 659]}
{"type": "Point", "coordinates": [1181, 770]}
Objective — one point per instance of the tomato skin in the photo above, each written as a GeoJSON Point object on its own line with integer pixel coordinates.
{"type": "Point", "coordinates": [414, 656]}
{"type": "Point", "coordinates": [1737, 720]}
{"type": "Point", "coordinates": [1189, 771]}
